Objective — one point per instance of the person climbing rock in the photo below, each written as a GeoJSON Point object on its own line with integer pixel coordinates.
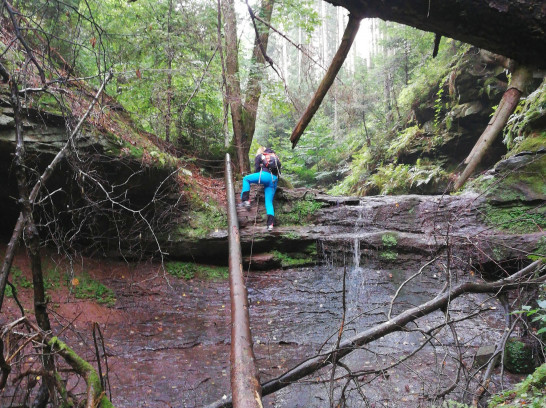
{"type": "Point", "coordinates": [267, 167]}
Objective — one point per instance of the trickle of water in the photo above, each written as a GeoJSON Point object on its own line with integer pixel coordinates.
{"type": "Point", "coordinates": [356, 240]}
{"type": "Point", "coordinates": [356, 252]}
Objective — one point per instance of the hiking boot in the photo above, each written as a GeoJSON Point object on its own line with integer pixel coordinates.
{"type": "Point", "coordinates": [270, 222]}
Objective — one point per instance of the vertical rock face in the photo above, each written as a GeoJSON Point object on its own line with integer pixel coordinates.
{"type": "Point", "coordinates": [453, 115]}
{"type": "Point", "coordinates": [89, 193]}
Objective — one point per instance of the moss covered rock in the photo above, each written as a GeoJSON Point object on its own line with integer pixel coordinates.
{"type": "Point", "coordinates": [520, 357]}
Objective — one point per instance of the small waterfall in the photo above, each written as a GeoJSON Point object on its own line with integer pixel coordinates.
{"type": "Point", "coordinates": [356, 239]}
{"type": "Point", "coordinates": [356, 252]}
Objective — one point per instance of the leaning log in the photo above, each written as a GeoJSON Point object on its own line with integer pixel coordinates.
{"type": "Point", "coordinates": [245, 382]}
{"type": "Point", "coordinates": [341, 54]}
{"type": "Point", "coordinates": [507, 105]}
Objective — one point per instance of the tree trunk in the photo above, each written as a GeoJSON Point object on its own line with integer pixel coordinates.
{"type": "Point", "coordinates": [31, 238]}
{"type": "Point", "coordinates": [233, 86]}
{"type": "Point", "coordinates": [256, 75]}
{"type": "Point", "coordinates": [507, 105]}
{"type": "Point", "coordinates": [225, 102]}
{"type": "Point", "coordinates": [244, 116]}
{"type": "Point", "coordinates": [511, 28]}
{"type": "Point", "coordinates": [168, 116]}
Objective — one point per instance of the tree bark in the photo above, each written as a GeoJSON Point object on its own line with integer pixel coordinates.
{"type": "Point", "coordinates": [256, 75]}
{"type": "Point", "coordinates": [243, 116]}
{"type": "Point", "coordinates": [168, 116]}
{"type": "Point", "coordinates": [245, 379]}
{"type": "Point", "coordinates": [233, 85]}
{"type": "Point", "coordinates": [32, 242]}
{"type": "Point", "coordinates": [506, 107]}
{"type": "Point", "coordinates": [511, 28]}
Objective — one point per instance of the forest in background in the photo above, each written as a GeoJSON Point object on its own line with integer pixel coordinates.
{"type": "Point", "coordinates": [167, 65]}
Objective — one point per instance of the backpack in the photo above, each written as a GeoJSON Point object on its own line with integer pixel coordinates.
{"type": "Point", "coordinates": [271, 162]}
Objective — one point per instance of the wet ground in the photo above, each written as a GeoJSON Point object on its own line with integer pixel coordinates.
{"type": "Point", "coordinates": [168, 340]}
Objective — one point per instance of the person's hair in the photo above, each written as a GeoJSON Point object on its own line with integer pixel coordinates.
{"type": "Point", "coordinates": [261, 149]}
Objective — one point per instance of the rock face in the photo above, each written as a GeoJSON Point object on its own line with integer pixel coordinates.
{"type": "Point", "coordinates": [458, 110]}
{"type": "Point", "coordinates": [398, 230]}
{"type": "Point", "coordinates": [496, 228]}
{"type": "Point", "coordinates": [88, 192]}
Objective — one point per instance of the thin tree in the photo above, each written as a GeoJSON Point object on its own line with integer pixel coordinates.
{"type": "Point", "coordinates": [243, 114]}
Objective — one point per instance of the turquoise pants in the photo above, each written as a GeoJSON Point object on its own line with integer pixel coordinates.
{"type": "Point", "coordinates": [269, 182]}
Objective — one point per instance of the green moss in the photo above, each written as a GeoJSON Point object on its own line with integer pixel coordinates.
{"type": "Point", "coordinates": [389, 240]}
{"type": "Point", "coordinates": [8, 292]}
{"type": "Point", "coordinates": [294, 259]}
{"type": "Point", "coordinates": [525, 120]}
{"type": "Point", "coordinates": [531, 392]}
{"type": "Point", "coordinates": [301, 212]}
{"type": "Point", "coordinates": [524, 183]}
{"type": "Point", "coordinates": [389, 255]}
{"type": "Point", "coordinates": [190, 270]}
{"type": "Point", "coordinates": [293, 235]}
{"type": "Point", "coordinates": [540, 250]}
{"type": "Point", "coordinates": [518, 357]}
{"type": "Point", "coordinates": [47, 103]}
{"type": "Point", "coordinates": [185, 270]}
{"type": "Point", "coordinates": [204, 217]}
{"type": "Point", "coordinates": [517, 219]}
{"type": "Point", "coordinates": [85, 287]}
{"type": "Point", "coordinates": [532, 143]}
{"type": "Point", "coordinates": [81, 366]}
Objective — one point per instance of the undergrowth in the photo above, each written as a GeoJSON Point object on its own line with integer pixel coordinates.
{"type": "Point", "coordinates": [517, 219]}
{"type": "Point", "coordinates": [301, 212]}
{"type": "Point", "coordinates": [81, 285]}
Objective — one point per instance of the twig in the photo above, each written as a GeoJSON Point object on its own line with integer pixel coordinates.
{"type": "Point", "coordinates": [499, 347]}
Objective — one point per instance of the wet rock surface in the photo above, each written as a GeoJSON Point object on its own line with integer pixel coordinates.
{"type": "Point", "coordinates": [395, 228]}
{"type": "Point", "coordinates": [168, 340]}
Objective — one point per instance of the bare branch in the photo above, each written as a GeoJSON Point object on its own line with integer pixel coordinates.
{"type": "Point", "coordinates": [311, 365]}
{"type": "Point", "coordinates": [17, 29]}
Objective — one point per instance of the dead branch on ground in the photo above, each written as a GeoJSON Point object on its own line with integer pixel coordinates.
{"type": "Point", "coordinates": [524, 277]}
